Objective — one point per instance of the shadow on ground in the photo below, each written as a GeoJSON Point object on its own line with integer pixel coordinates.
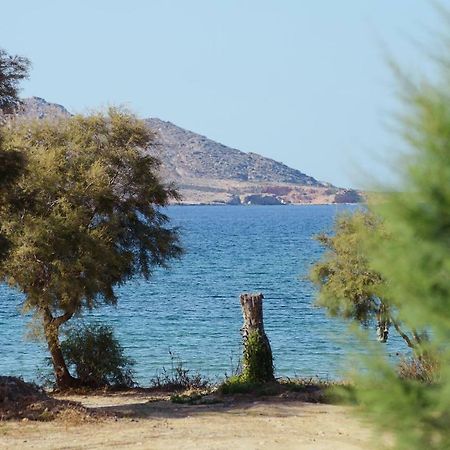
{"type": "Point", "coordinates": [142, 404]}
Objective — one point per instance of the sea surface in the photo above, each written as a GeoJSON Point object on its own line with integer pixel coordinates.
{"type": "Point", "coordinates": [192, 309]}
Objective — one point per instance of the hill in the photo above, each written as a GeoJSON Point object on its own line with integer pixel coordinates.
{"type": "Point", "coordinates": [206, 171]}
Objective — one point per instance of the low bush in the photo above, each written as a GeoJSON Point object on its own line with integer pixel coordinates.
{"type": "Point", "coordinates": [425, 369]}
{"type": "Point", "coordinates": [96, 357]}
{"type": "Point", "coordinates": [236, 384]}
{"type": "Point", "coordinates": [313, 390]}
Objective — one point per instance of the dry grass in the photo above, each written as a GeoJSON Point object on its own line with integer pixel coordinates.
{"type": "Point", "coordinates": [425, 369]}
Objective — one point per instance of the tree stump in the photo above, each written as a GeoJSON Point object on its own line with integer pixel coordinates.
{"type": "Point", "coordinates": [257, 363]}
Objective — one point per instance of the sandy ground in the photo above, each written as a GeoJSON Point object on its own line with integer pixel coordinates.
{"type": "Point", "coordinates": [146, 422]}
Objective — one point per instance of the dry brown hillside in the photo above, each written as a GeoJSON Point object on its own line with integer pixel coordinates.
{"type": "Point", "coordinates": [207, 172]}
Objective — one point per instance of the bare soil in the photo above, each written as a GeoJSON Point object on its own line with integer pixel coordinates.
{"type": "Point", "coordinates": [145, 420]}
{"type": "Point", "coordinates": [20, 400]}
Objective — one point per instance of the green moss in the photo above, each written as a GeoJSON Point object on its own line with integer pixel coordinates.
{"type": "Point", "coordinates": [239, 385]}
{"type": "Point", "coordinates": [257, 359]}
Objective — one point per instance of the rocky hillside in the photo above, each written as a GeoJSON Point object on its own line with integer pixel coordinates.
{"type": "Point", "coordinates": [209, 172]}
{"type": "Point", "coordinates": [189, 155]}
{"type": "Point", "coordinates": [36, 107]}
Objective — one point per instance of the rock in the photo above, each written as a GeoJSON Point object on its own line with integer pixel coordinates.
{"type": "Point", "coordinates": [37, 107]}
{"type": "Point", "coordinates": [234, 200]}
{"type": "Point", "coordinates": [348, 196]}
{"type": "Point", "coordinates": [259, 199]}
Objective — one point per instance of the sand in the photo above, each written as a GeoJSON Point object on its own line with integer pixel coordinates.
{"type": "Point", "coordinates": [146, 422]}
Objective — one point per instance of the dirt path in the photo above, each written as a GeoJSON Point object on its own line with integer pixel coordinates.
{"type": "Point", "coordinates": [146, 422]}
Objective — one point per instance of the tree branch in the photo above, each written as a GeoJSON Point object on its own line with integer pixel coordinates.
{"type": "Point", "coordinates": [417, 337]}
{"type": "Point", "coordinates": [55, 321]}
{"type": "Point", "coordinates": [58, 321]}
{"type": "Point", "coordinates": [403, 335]}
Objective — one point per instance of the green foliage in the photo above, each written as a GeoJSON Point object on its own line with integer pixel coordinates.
{"type": "Point", "coordinates": [13, 69]}
{"type": "Point", "coordinates": [310, 389]}
{"type": "Point", "coordinates": [257, 374]}
{"type": "Point", "coordinates": [416, 260]}
{"type": "Point", "coordinates": [12, 164]}
{"type": "Point", "coordinates": [85, 215]}
{"type": "Point", "coordinates": [238, 384]}
{"type": "Point", "coordinates": [416, 413]}
{"type": "Point", "coordinates": [349, 288]}
{"type": "Point", "coordinates": [257, 364]}
{"type": "Point", "coordinates": [97, 357]}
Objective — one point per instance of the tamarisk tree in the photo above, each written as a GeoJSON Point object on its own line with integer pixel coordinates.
{"type": "Point", "coordinates": [416, 261]}
{"type": "Point", "coordinates": [83, 217]}
{"type": "Point", "coordinates": [349, 287]}
{"type": "Point", "coordinates": [11, 165]}
{"type": "Point", "coordinates": [13, 69]}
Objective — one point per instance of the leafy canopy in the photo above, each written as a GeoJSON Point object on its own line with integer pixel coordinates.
{"type": "Point", "coordinates": [85, 215]}
{"type": "Point", "coordinates": [13, 69]}
{"type": "Point", "coordinates": [348, 287]}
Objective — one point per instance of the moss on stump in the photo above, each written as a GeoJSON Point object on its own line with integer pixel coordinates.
{"type": "Point", "coordinates": [257, 362]}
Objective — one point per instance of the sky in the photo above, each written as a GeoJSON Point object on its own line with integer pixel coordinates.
{"type": "Point", "coordinates": [304, 82]}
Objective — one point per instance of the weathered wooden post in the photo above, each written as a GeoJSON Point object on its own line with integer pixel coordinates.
{"type": "Point", "coordinates": [257, 363]}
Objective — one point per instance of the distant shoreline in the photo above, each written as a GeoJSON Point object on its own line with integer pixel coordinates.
{"type": "Point", "coordinates": [252, 205]}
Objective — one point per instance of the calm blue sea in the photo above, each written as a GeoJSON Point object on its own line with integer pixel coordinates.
{"type": "Point", "coordinates": [193, 310]}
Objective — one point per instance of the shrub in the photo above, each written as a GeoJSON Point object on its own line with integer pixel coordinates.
{"type": "Point", "coordinates": [96, 356]}
{"type": "Point", "coordinates": [425, 369]}
{"type": "Point", "coordinates": [311, 389]}
{"type": "Point", "coordinates": [416, 261]}
{"type": "Point", "coordinates": [237, 384]}
{"type": "Point", "coordinates": [177, 378]}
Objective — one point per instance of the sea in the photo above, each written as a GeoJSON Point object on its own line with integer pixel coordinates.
{"type": "Point", "coordinates": [190, 313]}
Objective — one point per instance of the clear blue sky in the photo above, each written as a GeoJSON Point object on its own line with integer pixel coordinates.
{"type": "Point", "coordinates": [302, 81]}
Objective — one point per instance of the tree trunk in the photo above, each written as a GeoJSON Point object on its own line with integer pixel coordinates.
{"type": "Point", "coordinates": [257, 364]}
{"type": "Point", "coordinates": [383, 323]}
{"type": "Point", "coordinates": [64, 379]}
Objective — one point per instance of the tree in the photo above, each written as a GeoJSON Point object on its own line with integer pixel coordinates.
{"type": "Point", "coordinates": [13, 69]}
{"type": "Point", "coordinates": [417, 262]}
{"type": "Point", "coordinates": [349, 286]}
{"type": "Point", "coordinates": [83, 218]}
{"type": "Point", "coordinates": [12, 163]}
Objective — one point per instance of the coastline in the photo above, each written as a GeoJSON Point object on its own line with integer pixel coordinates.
{"type": "Point", "coordinates": [252, 204]}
